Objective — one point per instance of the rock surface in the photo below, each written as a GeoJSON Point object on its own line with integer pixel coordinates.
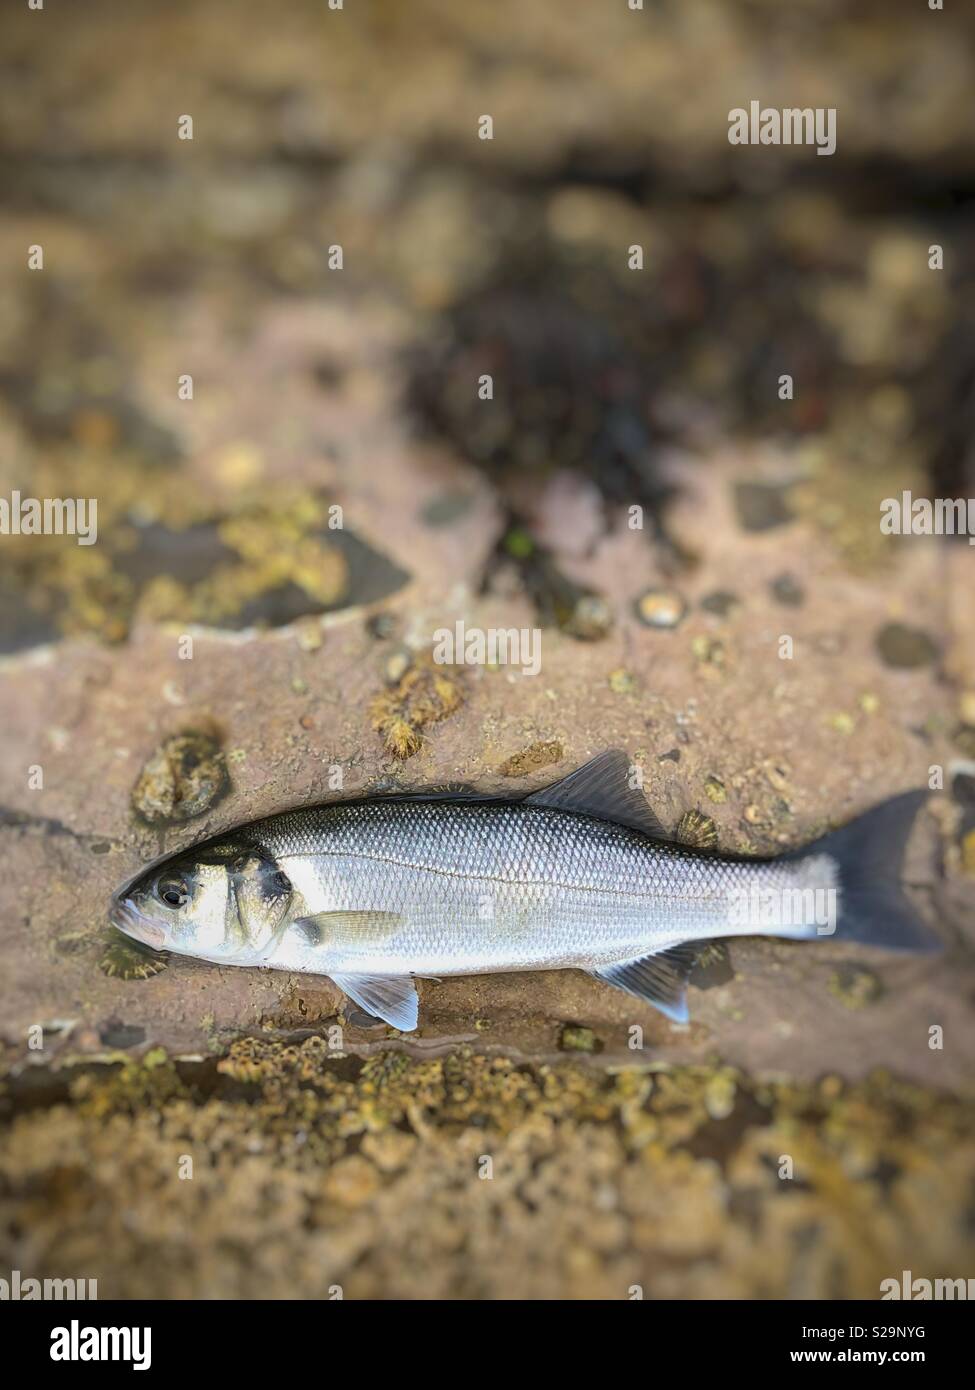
{"type": "Point", "coordinates": [277, 550]}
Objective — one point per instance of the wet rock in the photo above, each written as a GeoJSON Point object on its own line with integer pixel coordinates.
{"type": "Point", "coordinates": [309, 635]}
{"type": "Point", "coordinates": [762, 506]}
{"type": "Point", "coordinates": [531, 759]}
{"type": "Point", "coordinates": [963, 788]}
{"type": "Point", "coordinates": [114, 1033]}
{"type": "Point", "coordinates": [578, 610]}
{"type": "Point", "coordinates": [842, 723]}
{"type": "Point", "coordinates": [776, 776]}
{"type": "Point", "coordinates": [721, 602]}
{"type": "Point", "coordinates": [964, 739]}
{"type": "Point", "coordinates": [184, 777]}
{"type": "Point", "coordinates": [905, 648]}
{"type": "Point", "coordinates": [71, 943]}
{"type": "Point", "coordinates": [622, 682]}
{"type": "Point", "coordinates": [855, 986]}
{"type": "Point", "coordinates": [448, 507]}
{"type": "Point", "coordinates": [968, 852]}
{"type": "Point", "coordinates": [21, 624]}
{"type": "Point", "coordinates": [358, 1018]}
{"type": "Point", "coordinates": [333, 1142]}
{"type": "Point", "coordinates": [660, 608]}
{"type": "Point", "coordinates": [573, 398]}
{"type": "Point", "coordinates": [713, 966]}
{"type": "Point", "coordinates": [788, 591]}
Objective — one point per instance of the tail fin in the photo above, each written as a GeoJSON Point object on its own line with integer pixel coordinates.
{"type": "Point", "coordinates": [868, 853]}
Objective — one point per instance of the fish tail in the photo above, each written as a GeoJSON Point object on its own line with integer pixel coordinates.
{"type": "Point", "coordinates": [868, 855]}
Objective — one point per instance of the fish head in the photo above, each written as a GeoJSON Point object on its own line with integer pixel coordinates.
{"type": "Point", "coordinates": [226, 903]}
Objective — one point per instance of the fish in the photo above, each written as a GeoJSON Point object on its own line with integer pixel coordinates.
{"type": "Point", "coordinates": [378, 892]}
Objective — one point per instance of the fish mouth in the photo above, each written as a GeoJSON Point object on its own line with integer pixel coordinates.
{"type": "Point", "coordinates": [129, 920]}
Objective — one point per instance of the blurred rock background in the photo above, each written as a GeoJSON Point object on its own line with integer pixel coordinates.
{"type": "Point", "coordinates": [316, 389]}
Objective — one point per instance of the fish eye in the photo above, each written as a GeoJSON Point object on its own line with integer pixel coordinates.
{"type": "Point", "coordinates": [172, 891]}
{"type": "Point", "coordinates": [281, 882]}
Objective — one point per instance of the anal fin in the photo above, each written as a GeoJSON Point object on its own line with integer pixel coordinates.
{"type": "Point", "coordinates": [392, 998]}
{"type": "Point", "coordinates": [660, 979]}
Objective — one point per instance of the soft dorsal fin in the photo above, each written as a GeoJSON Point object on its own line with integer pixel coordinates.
{"type": "Point", "coordinates": [660, 979]}
{"type": "Point", "coordinates": [601, 788]}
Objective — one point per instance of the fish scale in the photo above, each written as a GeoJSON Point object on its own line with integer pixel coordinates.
{"type": "Point", "coordinates": [482, 887]}
{"type": "Point", "coordinates": [579, 874]}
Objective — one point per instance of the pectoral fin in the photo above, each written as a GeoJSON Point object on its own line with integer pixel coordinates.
{"type": "Point", "coordinates": [392, 998]}
{"type": "Point", "coordinates": [338, 928]}
{"type": "Point", "coordinates": [660, 979]}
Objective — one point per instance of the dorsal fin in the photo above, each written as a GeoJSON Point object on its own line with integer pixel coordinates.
{"type": "Point", "coordinates": [601, 788]}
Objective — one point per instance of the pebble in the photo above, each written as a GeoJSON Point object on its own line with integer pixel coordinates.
{"type": "Point", "coordinates": [722, 603]}
{"type": "Point", "coordinates": [905, 648]}
{"type": "Point", "coordinates": [591, 618]}
{"type": "Point", "coordinates": [381, 626]}
{"type": "Point", "coordinates": [309, 635]}
{"type": "Point", "coordinates": [661, 608]}
{"type": "Point", "coordinates": [787, 589]}
{"type": "Point", "coordinates": [396, 666]}
{"type": "Point", "coordinates": [761, 506]}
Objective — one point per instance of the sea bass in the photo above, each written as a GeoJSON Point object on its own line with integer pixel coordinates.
{"type": "Point", "coordinates": [579, 875]}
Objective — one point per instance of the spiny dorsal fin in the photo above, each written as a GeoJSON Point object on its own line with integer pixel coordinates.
{"type": "Point", "coordinates": [660, 979]}
{"type": "Point", "coordinates": [601, 788]}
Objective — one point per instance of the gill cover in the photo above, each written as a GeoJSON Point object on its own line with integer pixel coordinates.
{"type": "Point", "coordinates": [258, 896]}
